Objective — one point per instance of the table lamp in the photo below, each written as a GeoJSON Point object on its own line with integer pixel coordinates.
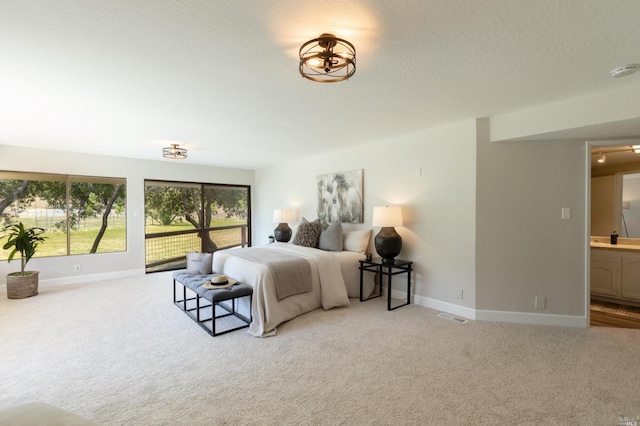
{"type": "Point", "coordinates": [282, 232]}
{"type": "Point", "coordinates": [388, 242]}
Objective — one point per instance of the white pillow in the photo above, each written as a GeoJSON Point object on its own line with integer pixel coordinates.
{"type": "Point", "coordinates": [199, 263]}
{"type": "Point", "coordinates": [357, 241]}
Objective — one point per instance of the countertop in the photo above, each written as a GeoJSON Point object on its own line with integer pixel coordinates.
{"type": "Point", "coordinates": [621, 247]}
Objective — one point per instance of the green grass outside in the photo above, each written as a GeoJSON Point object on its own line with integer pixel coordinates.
{"type": "Point", "coordinates": [186, 226]}
{"type": "Point", "coordinates": [114, 239]}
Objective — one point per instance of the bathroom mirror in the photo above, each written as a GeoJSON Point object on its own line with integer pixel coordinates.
{"type": "Point", "coordinates": [630, 208]}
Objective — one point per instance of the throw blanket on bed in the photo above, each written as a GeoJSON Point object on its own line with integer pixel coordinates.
{"type": "Point", "coordinates": [291, 273]}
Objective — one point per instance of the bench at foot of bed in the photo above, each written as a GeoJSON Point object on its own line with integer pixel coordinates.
{"type": "Point", "coordinates": [196, 301]}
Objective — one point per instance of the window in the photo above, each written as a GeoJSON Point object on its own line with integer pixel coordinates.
{"type": "Point", "coordinates": [80, 214]}
{"type": "Point", "coordinates": [183, 217]}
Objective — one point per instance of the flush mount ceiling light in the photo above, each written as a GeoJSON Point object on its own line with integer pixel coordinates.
{"type": "Point", "coordinates": [602, 158]}
{"type": "Point", "coordinates": [327, 59]}
{"type": "Point", "coordinates": [174, 152]}
{"type": "Point", "coordinates": [624, 71]}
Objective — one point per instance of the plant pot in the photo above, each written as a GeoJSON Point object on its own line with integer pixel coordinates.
{"type": "Point", "coordinates": [21, 286]}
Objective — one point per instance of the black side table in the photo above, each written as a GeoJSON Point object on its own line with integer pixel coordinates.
{"type": "Point", "coordinates": [389, 270]}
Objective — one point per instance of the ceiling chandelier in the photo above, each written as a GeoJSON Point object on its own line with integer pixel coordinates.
{"type": "Point", "coordinates": [174, 152]}
{"type": "Point", "coordinates": [327, 59]}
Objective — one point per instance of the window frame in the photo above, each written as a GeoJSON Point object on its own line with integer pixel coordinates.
{"type": "Point", "coordinates": [68, 180]}
{"type": "Point", "coordinates": [180, 261]}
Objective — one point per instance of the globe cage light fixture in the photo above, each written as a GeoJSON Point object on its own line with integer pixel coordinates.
{"type": "Point", "coordinates": [327, 59]}
{"type": "Point", "coordinates": [174, 152]}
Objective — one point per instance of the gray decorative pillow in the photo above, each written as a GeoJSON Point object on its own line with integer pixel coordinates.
{"type": "Point", "coordinates": [302, 222]}
{"type": "Point", "coordinates": [199, 263]}
{"type": "Point", "coordinates": [331, 237]}
{"type": "Point", "coordinates": [308, 234]}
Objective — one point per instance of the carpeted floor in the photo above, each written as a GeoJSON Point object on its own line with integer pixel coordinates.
{"type": "Point", "coordinates": [120, 353]}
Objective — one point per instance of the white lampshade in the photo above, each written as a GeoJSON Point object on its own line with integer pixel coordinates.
{"type": "Point", "coordinates": [387, 216]}
{"type": "Point", "coordinates": [284, 215]}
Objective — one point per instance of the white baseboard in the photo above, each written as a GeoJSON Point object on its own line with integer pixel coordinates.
{"type": "Point", "coordinates": [533, 318]}
{"type": "Point", "coordinates": [450, 308]}
{"type": "Point", "coordinates": [79, 279]}
{"type": "Point", "coordinates": [497, 316]}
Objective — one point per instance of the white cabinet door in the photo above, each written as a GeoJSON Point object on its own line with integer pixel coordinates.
{"type": "Point", "coordinates": [631, 276]}
{"type": "Point", "coordinates": [605, 273]}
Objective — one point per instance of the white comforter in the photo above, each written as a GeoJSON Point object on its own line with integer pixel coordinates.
{"type": "Point", "coordinates": [329, 290]}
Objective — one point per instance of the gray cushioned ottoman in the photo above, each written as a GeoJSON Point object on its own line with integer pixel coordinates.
{"type": "Point", "coordinates": [193, 305]}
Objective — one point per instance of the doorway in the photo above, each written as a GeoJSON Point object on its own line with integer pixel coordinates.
{"type": "Point", "coordinates": [609, 301]}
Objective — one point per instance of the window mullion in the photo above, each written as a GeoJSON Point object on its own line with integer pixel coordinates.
{"type": "Point", "coordinates": [68, 208]}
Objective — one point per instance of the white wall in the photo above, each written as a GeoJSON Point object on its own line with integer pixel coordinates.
{"type": "Point", "coordinates": [524, 248]}
{"type": "Point", "coordinates": [60, 269]}
{"type": "Point", "coordinates": [438, 207]}
{"type": "Point", "coordinates": [630, 193]}
{"type": "Point", "coordinates": [591, 116]}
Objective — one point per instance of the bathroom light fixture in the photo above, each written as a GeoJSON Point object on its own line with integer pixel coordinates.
{"type": "Point", "coordinates": [636, 148]}
{"type": "Point", "coordinates": [327, 59]}
{"type": "Point", "coordinates": [602, 158]}
{"type": "Point", "coordinates": [174, 152]}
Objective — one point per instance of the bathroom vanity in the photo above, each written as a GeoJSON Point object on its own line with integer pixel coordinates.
{"type": "Point", "coordinates": [615, 270]}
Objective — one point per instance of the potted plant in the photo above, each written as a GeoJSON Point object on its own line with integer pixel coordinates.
{"type": "Point", "coordinates": [24, 241]}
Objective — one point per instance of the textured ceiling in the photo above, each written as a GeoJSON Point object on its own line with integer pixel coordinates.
{"type": "Point", "coordinates": [125, 77]}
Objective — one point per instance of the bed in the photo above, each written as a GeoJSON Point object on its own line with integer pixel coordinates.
{"type": "Point", "coordinates": [335, 278]}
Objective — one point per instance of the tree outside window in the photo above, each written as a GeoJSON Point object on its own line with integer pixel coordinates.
{"type": "Point", "coordinates": [81, 215]}
{"type": "Point", "coordinates": [185, 217]}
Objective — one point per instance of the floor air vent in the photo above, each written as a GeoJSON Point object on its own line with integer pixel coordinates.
{"type": "Point", "coordinates": [452, 318]}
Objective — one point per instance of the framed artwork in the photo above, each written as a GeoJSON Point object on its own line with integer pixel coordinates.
{"type": "Point", "coordinates": [340, 197]}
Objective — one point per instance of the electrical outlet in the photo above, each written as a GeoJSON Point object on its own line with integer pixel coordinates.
{"type": "Point", "coordinates": [77, 268]}
{"type": "Point", "coordinates": [540, 302]}
{"type": "Point", "coordinates": [459, 293]}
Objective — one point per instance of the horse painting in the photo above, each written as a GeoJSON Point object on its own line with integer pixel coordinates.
{"type": "Point", "coordinates": [340, 197]}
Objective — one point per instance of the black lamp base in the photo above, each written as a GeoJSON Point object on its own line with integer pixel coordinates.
{"type": "Point", "coordinates": [282, 233]}
{"type": "Point", "coordinates": [388, 244]}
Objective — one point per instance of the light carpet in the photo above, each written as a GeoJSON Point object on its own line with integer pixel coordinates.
{"type": "Point", "coordinates": [119, 352]}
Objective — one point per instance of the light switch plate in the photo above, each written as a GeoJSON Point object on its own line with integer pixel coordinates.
{"type": "Point", "coordinates": [566, 213]}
